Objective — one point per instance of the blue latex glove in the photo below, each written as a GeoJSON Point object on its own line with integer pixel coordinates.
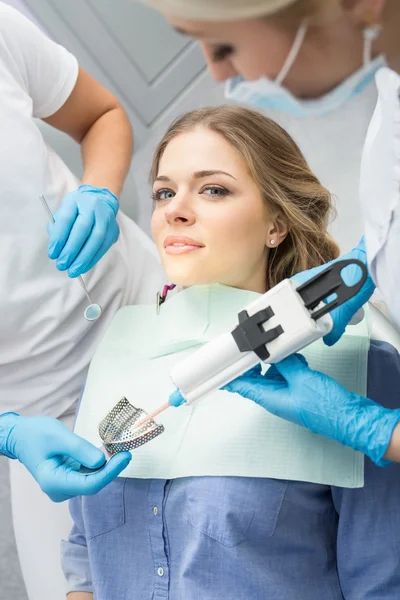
{"type": "Point", "coordinates": [293, 391]}
{"type": "Point", "coordinates": [52, 454]}
{"type": "Point", "coordinates": [85, 228]}
{"type": "Point", "coordinates": [351, 275]}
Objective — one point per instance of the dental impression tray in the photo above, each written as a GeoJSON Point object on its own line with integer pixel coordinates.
{"type": "Point", "coordinates": [119, 431]}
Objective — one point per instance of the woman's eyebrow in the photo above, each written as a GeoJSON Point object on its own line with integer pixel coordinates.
{"type": "Point", "coordinates": [196, 34]}
{"type": "Point", "coordinates": [198, 175]}
{"type": "Point", "coordinates": [201, 174]}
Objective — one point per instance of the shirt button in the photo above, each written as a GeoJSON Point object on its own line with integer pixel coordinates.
{"type": "Point", "coordinates": [155, 511]}
{"type": "Point", "coordinates": [160, 571]}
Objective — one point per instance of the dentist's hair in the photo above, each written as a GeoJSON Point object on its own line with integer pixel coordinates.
{"type": "Point", "coordinates": [234, 10]}
{"type": "Point", "coordinates": [283, 176]}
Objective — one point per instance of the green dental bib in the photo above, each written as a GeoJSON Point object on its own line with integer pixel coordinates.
{"type": "Point", "coordinates": [223, 434]}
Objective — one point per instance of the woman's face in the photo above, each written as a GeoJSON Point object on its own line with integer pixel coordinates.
{"type": "Point", "coordinates": [257, 48]}
{"type": "Point", "coordinates": [210, 222]}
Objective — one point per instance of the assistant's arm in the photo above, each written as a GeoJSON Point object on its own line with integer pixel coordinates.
{"type": "Point", "coordinates": [66, 97]}
{"type": "Point", "coordinates": [52, 454]}
{"type": "Point", "coordinates": [85, 225]}
{"type": "Point", "coordinates": [95, 119]}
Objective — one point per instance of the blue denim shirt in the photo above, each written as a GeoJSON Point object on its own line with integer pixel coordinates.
{"type": "Point", "coordinates": [217, 538]}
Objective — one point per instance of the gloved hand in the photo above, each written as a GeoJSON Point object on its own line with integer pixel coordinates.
{"type": "Point", "coordinates": [85, 228]}
{"type": "Point", "coordinates": [293, 391]}
{"type": "Point", "coordinates": [52, 454]}
{"type": "Point", "coordinates": [351, 275]}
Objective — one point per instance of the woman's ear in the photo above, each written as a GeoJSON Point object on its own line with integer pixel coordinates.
{"type": "Point", "coordinates": [277, 232]}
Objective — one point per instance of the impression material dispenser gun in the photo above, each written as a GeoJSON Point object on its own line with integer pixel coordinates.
{"type": "Point", "coordinates": [279, 323]}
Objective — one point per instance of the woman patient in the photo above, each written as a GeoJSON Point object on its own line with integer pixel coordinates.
{"type": "Point", "coordinates": [236, 204]}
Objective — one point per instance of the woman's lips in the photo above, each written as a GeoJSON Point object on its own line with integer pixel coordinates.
{"type": "Point", "coordinates": [181, 248]}
{"type": "Point", "coordinates": [181, 245]}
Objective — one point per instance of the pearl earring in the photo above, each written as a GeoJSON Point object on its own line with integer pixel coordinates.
{"type": "Point", "coordinates": [272, 242]}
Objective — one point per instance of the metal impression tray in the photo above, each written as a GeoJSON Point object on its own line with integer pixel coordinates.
{"type": "Point", "coordinates": [119, 431]}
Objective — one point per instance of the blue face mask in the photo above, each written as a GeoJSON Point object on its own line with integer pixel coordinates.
{"type": "Point", "coordinates": [265, 93]}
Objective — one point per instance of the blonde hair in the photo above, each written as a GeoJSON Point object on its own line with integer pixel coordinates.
{"type": "Point", "coordinates": [283, 176]}
{"type": "Point", "coordinates": [233, 10]}
{"type": "Point", "coordinates": [317, 11]}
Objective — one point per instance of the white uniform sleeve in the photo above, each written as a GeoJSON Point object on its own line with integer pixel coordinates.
{"type": "Point", "coordinates": [380, 190]}
{"type": "Point", "coordinates": [47, 71]}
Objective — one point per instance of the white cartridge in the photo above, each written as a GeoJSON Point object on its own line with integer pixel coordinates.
{"type": "Point", "coordinates": [220, 361]}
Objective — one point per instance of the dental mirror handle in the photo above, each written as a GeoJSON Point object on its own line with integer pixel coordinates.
{"type": "Point", "coordinates": [51, 217]}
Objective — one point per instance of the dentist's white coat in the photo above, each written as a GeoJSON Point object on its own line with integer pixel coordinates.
{"type": "Point", "coordinates": [380, 191]}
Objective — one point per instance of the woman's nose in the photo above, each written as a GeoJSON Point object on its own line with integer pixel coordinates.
{"type": "Point", "coordinates": [219, 70]}
{"type": "Point", "coordinates": [179, 211]}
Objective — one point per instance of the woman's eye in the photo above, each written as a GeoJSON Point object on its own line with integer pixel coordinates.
{"type": "Point", "coordinates": [215, 191]}
{"type": "Point", "coordinates": [222, 52]}
{"type": "Point", "coordinates": [162, 195]}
